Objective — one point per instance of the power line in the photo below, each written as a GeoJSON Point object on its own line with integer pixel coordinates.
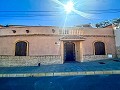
{"type": "Point", "coordinates": [27, 11]}
{"type": "Point", "coordinates": [104, 10]}
{"type": "Point", "coordinates": [52, 13]}
{"type": "Point", "coordinates": [37, 15]}
{"type": "Point", "coordinates": [7, 14]}
{"type": "Point", "coordinates": [28, 15]}
{"type": "Point", "coordinates": [57, 11]}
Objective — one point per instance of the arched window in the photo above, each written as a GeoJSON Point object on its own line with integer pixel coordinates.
{"type": "Point", "coordinates": [99, 48]}
{"type": "Point", "coordinates": [21, 48]}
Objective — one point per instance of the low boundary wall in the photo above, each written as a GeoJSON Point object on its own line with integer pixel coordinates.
{"type": "Point", "coordinates": [8, 61]}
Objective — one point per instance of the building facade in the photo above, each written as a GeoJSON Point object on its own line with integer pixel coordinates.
{"type": "Point", "coordinates": [117, 40]}
{"type": "Point", "coordinates": [35, 45]}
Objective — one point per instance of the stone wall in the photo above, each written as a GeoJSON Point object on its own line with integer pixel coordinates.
{"type": "Point", "coordinates": [8, 61]}
{"type": "Point", "coordinates": [95, 57]}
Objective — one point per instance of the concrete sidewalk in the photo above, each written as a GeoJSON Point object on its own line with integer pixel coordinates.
{"type": "Point", "coordinates": [111, 66]}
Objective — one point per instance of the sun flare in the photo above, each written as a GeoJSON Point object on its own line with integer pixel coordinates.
{"type": "Point", "coordinates": [69, 7]}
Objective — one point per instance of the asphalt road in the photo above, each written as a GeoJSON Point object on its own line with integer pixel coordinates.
{"type": "Point", "coordinates": [93, 82]}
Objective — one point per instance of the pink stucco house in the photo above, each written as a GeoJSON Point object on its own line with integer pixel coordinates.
{"type": "Point", "coordinates": [34, 45]}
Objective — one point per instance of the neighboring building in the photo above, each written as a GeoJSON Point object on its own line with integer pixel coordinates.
{"type": "Point", "coordinates": [117, 40]}
{"type": "Point", "coordinates": [1, 26]}
{"type": "Point", "coordinates": [35, 45]}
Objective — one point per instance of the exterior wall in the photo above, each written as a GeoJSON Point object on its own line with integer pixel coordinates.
{"type": "Point", "coordinates": [105, 35]}
{"type": "Point", "coordinates": [91, 35]}
{"type": "Point", "coordinates": [77, 51]}
{"type": "Point", "coordinates": [37, 45]}
{"type": "Point", "coordinates": [45, 46]}
{"type": "Point", "coordinates": [117, 39]}
{"type": "Point", "coordinates": [32, 30]}
{"type": "Point", "coordinates": [94, 57]}
{"type": "Point", "coordinates": [89, 51]}
{"type": "Point", "coordinates": [9, 61]}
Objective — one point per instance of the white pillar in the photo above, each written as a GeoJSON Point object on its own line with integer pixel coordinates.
{"type": "Point", "coordinates": [81, 51]}
{"type": "Point", "coordinates": [62, 51]}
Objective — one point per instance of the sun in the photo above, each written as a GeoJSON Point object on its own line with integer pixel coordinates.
{"type": "Point", "coordinates": [69, 7]}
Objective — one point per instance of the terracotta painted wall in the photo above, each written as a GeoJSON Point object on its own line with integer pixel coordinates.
{"type": "Point", "coordinates": [45, 45]}
{"type": "Point", "coordinates": [32, 30]}
{"type": "Point", "coordinates": [38, 45]}
{"type": "Point", "coordinates": [88, 45]}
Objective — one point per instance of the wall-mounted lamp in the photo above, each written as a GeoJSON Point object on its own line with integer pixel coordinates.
{"type": "Point", "coordinates": [53, 30]}
{"type": "Point", "coordinates": [14, 31]}
{"type": "Point", "coordinates": [27, 31]}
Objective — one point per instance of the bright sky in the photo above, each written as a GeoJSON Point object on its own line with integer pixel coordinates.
{"type": "Point", "coordinates": [51, 13]}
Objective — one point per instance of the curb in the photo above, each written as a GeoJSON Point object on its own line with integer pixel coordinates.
{"type": "Point", "coordinates": [61, 74]}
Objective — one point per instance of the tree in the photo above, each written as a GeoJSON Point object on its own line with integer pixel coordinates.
{"type": "Point", "coordinates": [97, 25]}
{"type": "Point", "coordinates": [103, 24]}
{"type": "Point", "coordinates": [116, 22]}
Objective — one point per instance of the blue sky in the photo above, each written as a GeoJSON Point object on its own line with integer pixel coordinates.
{"type": "Point", "coordinates": [50, 13]}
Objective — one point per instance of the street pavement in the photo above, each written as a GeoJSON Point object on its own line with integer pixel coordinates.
{"type": "Point", "coordinates": [111, 66]}
{"type": "Point", "coordinates": [85, 82]}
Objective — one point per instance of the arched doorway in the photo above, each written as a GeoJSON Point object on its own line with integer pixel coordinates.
{"type": "Point", "coordinates": [21, 48]}
{"type": "Point", "coordinates": [69, 51]}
